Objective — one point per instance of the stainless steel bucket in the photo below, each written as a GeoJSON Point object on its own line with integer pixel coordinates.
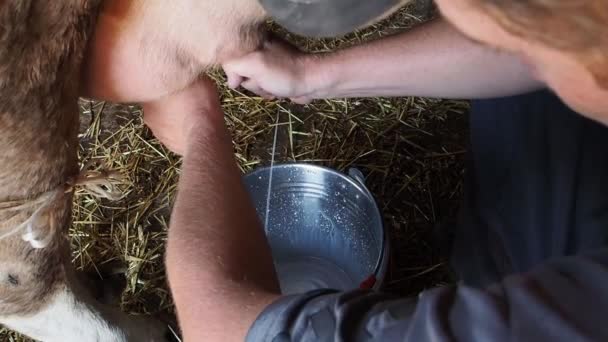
{"type": "Point", "coordinates": [324, 227]}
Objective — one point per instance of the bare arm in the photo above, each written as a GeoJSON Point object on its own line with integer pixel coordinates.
{"type": "Point", "coordinates": [434, 60]}
{"type": "Point", "coordinates": [218, 261]}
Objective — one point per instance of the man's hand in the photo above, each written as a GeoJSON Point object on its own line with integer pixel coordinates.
{"type": "Point", "coordinates": [277, 70]}
{"type": "Point", "coordinates": [172, 117]}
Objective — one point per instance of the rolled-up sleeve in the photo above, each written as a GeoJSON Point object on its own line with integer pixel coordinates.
{"type": "Point", "coordinates": [565, 299]}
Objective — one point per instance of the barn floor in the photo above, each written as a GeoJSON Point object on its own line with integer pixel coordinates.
{"type": "Point", "coordinates": [410, 149]}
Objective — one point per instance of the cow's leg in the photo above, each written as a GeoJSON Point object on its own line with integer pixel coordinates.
{"type": "Point", "coordinates": [68, 318]}
{"type": "Point", "coordinates": [42, 297]}
{"type": "Point", "coordinates": [71, 315]}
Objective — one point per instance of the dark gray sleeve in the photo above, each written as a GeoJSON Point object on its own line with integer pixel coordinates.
{"type": "Point", "coordinates": [563, 300]}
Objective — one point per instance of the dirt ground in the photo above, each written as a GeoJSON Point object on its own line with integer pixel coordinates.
{"type": "Point", "coordinates": [411, 151]}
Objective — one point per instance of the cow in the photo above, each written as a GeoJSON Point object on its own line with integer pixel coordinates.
{"type": "Point", "coordinates": [53, 52]}
{"type": "Point", "coordinates": [43, 45]}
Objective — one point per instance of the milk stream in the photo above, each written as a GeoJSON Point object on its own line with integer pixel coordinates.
{"type": "Point", "coordinates": [298, 274]}
{"type": "Point", "coordinates": [269, 193]}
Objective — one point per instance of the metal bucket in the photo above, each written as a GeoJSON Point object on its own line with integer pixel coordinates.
{"type": "Point", "coordinates": [324, 228]}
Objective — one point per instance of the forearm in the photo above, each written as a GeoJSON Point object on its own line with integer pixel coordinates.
{"type": "Point", "coordinates": [219, 263]}
{"type": "Point", "coordinates": [434, 60]}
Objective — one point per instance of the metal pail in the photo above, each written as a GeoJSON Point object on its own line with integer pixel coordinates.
{"type": "Point", "coordinates": [324, 227]}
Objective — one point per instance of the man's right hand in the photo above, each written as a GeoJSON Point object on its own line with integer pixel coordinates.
{"type": "Point", "coordinates": [277, 70]}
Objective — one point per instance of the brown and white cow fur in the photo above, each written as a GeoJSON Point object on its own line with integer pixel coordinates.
{"type": "Point", "coordinates": [42, 46]}
{"type": "Point", "coordinates": [42, 50]}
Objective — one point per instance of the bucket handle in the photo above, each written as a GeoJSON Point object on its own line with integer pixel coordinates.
{"type": "Point", "coordinates": [357, 175]}
{"type": "Point", "coordinates": [370, 282]}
